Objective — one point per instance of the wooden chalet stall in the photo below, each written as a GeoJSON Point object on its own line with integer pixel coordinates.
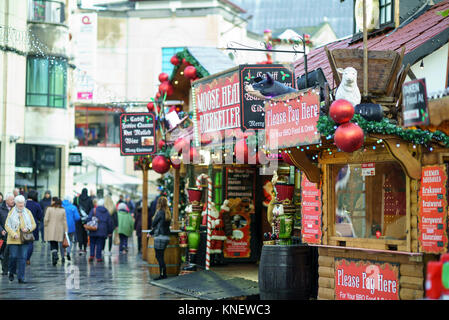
{"type": "Point", "coordinates": [384, 205]}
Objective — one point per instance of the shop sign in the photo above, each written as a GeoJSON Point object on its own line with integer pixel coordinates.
{"type": "Point", "coordinates": [253, 111]}
{"type": "Point", "coordinates": [311, 212]}
{"type": "Point", "coordinates": [291, 120]}
{"type": "Point", "coordinates": [365, 280]}
{"type": "Point", "coordinates": [414, 97]}
{"type": "Point", "coordinates": [75, 159]}
{"type": "Point", "coordinates": [137, 133]}
{"type": "Point", "coordinates": [240, 183]}
{"type": "Point", "coordinates": [368, 169]}
{"type": "Point", "coordinates": [433, 210]}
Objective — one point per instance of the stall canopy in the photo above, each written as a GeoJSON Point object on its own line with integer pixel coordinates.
{"type": "Point", "coordinates": [105, 176]}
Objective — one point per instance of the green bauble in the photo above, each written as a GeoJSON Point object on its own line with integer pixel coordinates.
{"type": "Point", "coordinates": [193, 240]}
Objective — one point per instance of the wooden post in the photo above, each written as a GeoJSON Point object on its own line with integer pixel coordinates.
{"type": "Point", "coordinates": [175, 224]}
{"type": "Point", "coordinates": [144, 211]}
{"type": "Point", "coordinates": [365, 52]}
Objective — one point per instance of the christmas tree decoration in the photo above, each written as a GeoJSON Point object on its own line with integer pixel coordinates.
{"type": "Point", "coordinates": [190, 72]}
{"type": "Point", "coordinates": [160, 164]}
{"type": "Point", "coordinates": [175, 60]}
{"type": "Point", "coordinates": [163, 77]}
{"type": "Point", "coordinates": [166, 87]}
{"type": "Point", "coordinates": [349, 137]}
{"type": "Point", "coordinates": [150, 106]}
{"type": "Point", "coordinates": [341, 111]}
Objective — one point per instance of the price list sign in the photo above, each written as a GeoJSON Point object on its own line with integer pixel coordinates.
{"type": "Point", "coordinates": [240, 183]}
{"type": "Point", "coordinates": [433, 210]}
{"type": "Point", "coordinates": [311, 212]}
{"type": "Point", "coordinates": [137, 133]}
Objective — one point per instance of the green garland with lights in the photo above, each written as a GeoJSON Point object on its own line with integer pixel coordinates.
{"type": "Point", "coordinates": [326, 126]}
{"type": "Point", "coordinates": [185, 54]}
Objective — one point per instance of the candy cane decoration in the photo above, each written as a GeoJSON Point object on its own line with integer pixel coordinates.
{"type": "Point", "coordinates": [209, 209]}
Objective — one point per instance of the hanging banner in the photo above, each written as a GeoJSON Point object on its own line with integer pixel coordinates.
{"type": "Point", "coordinates": [253, 111]}
{"type": "Point", "coordinates": [365, 280]}
{"type": "Point", "coordinates": [433, 210]}
{"type": "Point", "coordinates": [85, 46]}
{"type": "Point", "coordinates": [311, 212]}
{"type": "Point", "coordinates": [291, 120]}
{"type": "Point", "coordinates": [137, 133]}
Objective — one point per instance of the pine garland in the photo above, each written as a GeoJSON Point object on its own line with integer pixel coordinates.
{"type": "Point", "coordinates": [185, 54]}
{"type": "Point", "coordinates": [326, 126]}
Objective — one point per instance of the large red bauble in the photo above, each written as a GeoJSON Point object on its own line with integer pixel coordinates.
{"type": "Point", "coordinates": [150, 106]}
{"type": "Point", "coordinates": [286, 158]}
{"type": "Point", "coordinates": [166, 87]}
{"type": "Point", "coordinates": [190, 72]}
{"type": "Point", "coordinates": [160, 164]}
{"type": "Point", "coordinates": [349, 137]}
{"type": "Point", "coordinates": [341, 111]}
{"type": "Point", "coordinates": [163, 77]}
{"type": "Point", "coordinates": [160, 144]}
{"type": "Point", "coordinates": [241, 148]}
{"type": "Point", "coordinates": [174, 60]}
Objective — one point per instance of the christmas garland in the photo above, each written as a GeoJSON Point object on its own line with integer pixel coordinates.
{"type": "Point", "coordinates": [326, 126]}
{"type": "Point", "coordinates": [185, 54]}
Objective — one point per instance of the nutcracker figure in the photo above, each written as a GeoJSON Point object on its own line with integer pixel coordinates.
{"type": "Point", "coordinates": [192, 227]}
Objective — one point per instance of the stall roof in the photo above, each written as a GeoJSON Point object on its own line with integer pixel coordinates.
{"type": "Point", "coordinates": [420, 37]}
{"type": "Point", "coordinates": [212, 59]}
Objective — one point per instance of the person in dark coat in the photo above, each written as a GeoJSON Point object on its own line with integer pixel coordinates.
{"type": "Point", "coordinates": [138, 223]}
{"type": "Point", "coordinates": [161, 233]}
{"type": "Point", "coordinates": [38, 215]}
{"type": "Point", "coordinates": [84, 205]}
{"type": "Point", "coordinates": [105, 228]}
{"type": "Point", "coordinates": [44, 203]}
{"type": "Point", "coordinates": [130, 204]}
{"type": "Point", "coordinates": [5, 207]}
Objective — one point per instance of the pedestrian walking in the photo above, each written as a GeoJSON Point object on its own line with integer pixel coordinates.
{"type": "Point", "coordinates": [16, 192]}
{"type": "Point", "coordinates": [104, 229]}
{"type": "Point", "coordinates": [55, 224]}
{"type": "Point", "coordinates": [19, 220]}
{"type": "Point", "coordinates": [109, 205]}
{"type": "Point", "coordinates": [44, 203]}
{"type": "Point", "coordinates": [5, 208]}
{"type": "Point", "coordinates": [84, 205]}
{"type": "Point", "coordinates": [36, 210]}
{"type": "Point", "coordinates": [125, 226]}
{"type": "Point", "coordinates": [72, 216]}
{"type": "Point", "coordinates": [161, 234]}
{"type": "Point", "coordinates": [130, 204]}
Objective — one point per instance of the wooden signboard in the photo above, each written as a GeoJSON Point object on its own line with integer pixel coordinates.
{"type": "Point", "coordinates": [414, 97]}
{"type": "Point", "coordinates": [433, 210]}
{"type": "Point", "coordinates": [137, 133]}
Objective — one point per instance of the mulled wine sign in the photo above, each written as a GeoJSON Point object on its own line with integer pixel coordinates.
{"type": "Point", "coordinates": [365, 280]}
{"type": "Point", "coordinates": [311, 212]}
{"type": "Point", "coordinates": [137, 133]}
{"type": "Point", "coordinates": [291, 120]}
{"type": "Point", "coordinates": [415, 111]}
{"type": "Point", "coordinates": [253, 111]}
{"type": "Point", "coordinates": [433, 210]}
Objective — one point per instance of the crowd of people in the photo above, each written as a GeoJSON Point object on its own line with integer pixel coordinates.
{"type": "Point", "coordinates": [63, 224]}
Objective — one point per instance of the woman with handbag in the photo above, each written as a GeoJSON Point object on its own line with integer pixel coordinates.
{"type": "Point", "coordinates": [19, 225]}
{"type": "Point", "coordinates": [55, 227]}
{"type": "Point", "coordinates": [99, 225]}
{"type": "Point", "coordinates": [161, 233]}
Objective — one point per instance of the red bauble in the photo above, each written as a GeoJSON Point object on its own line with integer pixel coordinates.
{"type": "Point", "coordinates": [190, 72]}
{"type": "Point", "coordinates": [160, 164]}
{"type": "Point", "coordinates": [174, 60]}
{"type": "Point", "coordinates": [286, 158]}
{"type": "Point", "coordinates": [349, 137]}
{"type": "Point", "coordinates": [150, 106]}
{"type": "Point", "coordinates": [241, 148]}
{"type": "Point", "coordinates": [341, 111]}
{"type": "Point", "coordinates": [163, 77]}
{"type": "Point", "coordinates": [160, 144]}
{"type": "Point", "coordinates": [166, 87]}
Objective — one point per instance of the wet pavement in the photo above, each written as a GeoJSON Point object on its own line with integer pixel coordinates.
{"type": "Point", "coordinates": [119, 276]}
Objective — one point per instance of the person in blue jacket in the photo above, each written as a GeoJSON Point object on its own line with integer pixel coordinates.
{"type": "Point", "coordinates": [105, 229]}
{"type": "Point", "coordinates": [72, 215]}
{"type": "Point", "coordinates": [38, 215]}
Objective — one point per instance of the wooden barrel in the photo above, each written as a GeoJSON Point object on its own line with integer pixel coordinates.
{"type": "Point", "coordinates": [285, 272]}
{"type": "Point", "coordinates": [172, 256]}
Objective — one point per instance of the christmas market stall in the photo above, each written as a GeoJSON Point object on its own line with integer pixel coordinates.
{"type": "Point", "coordinates": [378, 172]}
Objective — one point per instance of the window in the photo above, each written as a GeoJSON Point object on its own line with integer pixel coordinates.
{"type": "Point", "coordinates": [366, 205]}
{"type": "Point", "coordinates": [46, 82]}
{"type": "Point", "coordinates": [167, 53]}
{"type": "Point", "coordinates": [97, 126]}
{"type": "Point", "coordinates": [386, 11]}
{"type": "Point", "coordinates": [46, 11]}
